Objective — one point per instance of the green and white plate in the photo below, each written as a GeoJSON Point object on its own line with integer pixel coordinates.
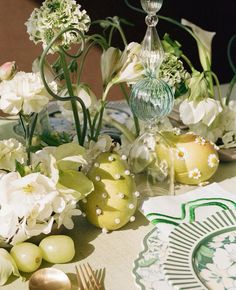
{"type": "Point", "coordinates": [202, 255]}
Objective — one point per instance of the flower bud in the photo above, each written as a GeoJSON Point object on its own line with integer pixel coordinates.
{"type": "Point", "coordinates": [7, 70]}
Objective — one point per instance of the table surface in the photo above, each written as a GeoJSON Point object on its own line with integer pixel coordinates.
{"type": "Point", "coordinates": [116, 251]}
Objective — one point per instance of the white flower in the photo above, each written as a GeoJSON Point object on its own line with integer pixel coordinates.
{"type": "Point", "coordinates": [7, 70]}
{"type": "Point", "coordinates": [181, 153]}
{"type": "Point", "coordinates": [65, 218]}
{"type": "Point", "coordinates": [25, 92]}
{"type": "Point", "coordinates": [216, 278]}
{"type": "Point", "coordinates": [27, 194]}
{"type": "Point", "coordinates": [53, 17]}
{"type": "Point", "coordinates": [204, 111]}
{"type": "Point", "coordinates": [204, 43]}
{"type": "Point", "coordinates": [11, 151]}
{"type": "Point", "coordinates": [195, 174]}
{"type": "Point", "coordinates": [85, 94]}
{"type": "Point", "coordinates": [129, 68]}
{"type": "Point", "coordinates": [225, 257]}
{"type": "Point", "coordinates": [200, 140]}
{"type": "Point", "coordinates": [8, 222]}
{"type": "Point", "coordinates": [213, 160]}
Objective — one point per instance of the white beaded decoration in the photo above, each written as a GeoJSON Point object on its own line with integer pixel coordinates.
{"type": "Point", "coordinates": [131, 206]}
{"type": "Point", "coordinates": [84, 214]}
{"type": "Point", "coordinates": [104, 230]}
{"type": "Point", "coordinates": [117, 221]}
{"type": "Point", "coordinates": [110, 158]}
{"type": "Point", "coordinates": [96, 164]}
{"type": "Point", "coordinates": [104, 195]}
{"type": "Point", "coordinates": [98, 211]}
{"type": "Point", "coordinates": [84, 200]}
{"type": "Point", "coordinates": [97, 178]}
{"type": "Point", "coordinates": [124, 157]}
{"type": "Point", "coordinates": [121, 195]}
{"type": "Point", "coordinates": [137, 193]}
{"type": "Point", "coordinates": [117, 176]}
{"type": "Point", "coordinates": [132, 219]}
{"type": "Point", "coordinates": [127, 172]}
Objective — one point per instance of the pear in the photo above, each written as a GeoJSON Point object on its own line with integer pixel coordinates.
{"type": "Point", "coordinates": [113, 202]}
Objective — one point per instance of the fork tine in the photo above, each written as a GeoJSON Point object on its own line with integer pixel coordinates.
{"type": "Point", "coordinates": [80, 284]}
{"type": "Point", "coordinates": [91, 273]}
{"type": "Point", "coordinates": [89, 276]}
{"type": "Point", "coordinates": [84, 278]}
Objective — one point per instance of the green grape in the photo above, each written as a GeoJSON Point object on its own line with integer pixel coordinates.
{"type": "Point", "coordinates": [57, 249]}
{"type": "Point", "coordinates": [28, 257]}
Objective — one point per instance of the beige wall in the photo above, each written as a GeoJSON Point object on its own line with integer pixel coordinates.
{"type": "Point", "coordinates": [15, 43]}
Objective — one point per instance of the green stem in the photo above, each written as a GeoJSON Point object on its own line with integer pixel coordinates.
{"type": "Point", "coordinates": [71, 94]}
{"type": "Point", "coordinates": [218, 88]}
{"type": "Point", "coordinates": [118, 27]}
{"type": "Point", "coordinates": [110, 35]}
{"type": "Point", "coordinates": [136, 121]}
{"type": "Point", "coordinates": [189, 63]}
{"type": "Point", "coordinates": [229, 53]}
{"type": "Point", "coordinates": [122, 128]}
{"type": "Point", "coordinates": [230, 89]}
{"type": "Point", "coordinates": [99, 127]}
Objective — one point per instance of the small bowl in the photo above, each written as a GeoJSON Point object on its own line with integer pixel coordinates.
{"type": "Point", "coordinates": [49, 279]}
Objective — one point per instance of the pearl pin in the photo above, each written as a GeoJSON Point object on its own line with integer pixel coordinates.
{"type": "Point", "coordinates": [84, 200]}
{"type": "Point", "coordinates": [124, 157]}
{"type": "Point", "coordinates": [96, 164]}
{"type": "Point", "coordinates": [127, 172]}
{"type": "Point", "coordinates": [104, 195]}
{"type": "Point", "coordinates": [121, 195]}
{"type": "Point", "coordinates": [132, 219]}
{"type": "Point", "coordinates": [110, 158]}
{"type": "Point", "coordinates": [117, 221]}
{"type": "Point", "coordinates": [117, 176]}
{"type": "Point", "coordinates": [131, 206]}
{"type": "Point", "coordinates": [97, 178]}
{"type": "Point", "coordinates": [98, 211]}
{"type": "Point", "coordinates": [137, 193]}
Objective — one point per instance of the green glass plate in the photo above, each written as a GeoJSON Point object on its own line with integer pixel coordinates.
{"type": "Point", "coordinates": [202, 255]}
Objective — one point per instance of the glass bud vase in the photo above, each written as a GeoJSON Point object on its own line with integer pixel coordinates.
{"type": "Point", "coordinates": [152, 159]}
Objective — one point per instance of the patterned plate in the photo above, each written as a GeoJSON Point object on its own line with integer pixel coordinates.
{"type": "Point", "coordinates": [190, 207]}
{"type": "Point", "coordinates": [202, 255]}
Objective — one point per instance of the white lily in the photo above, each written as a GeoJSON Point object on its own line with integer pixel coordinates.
{"type": "Point", "coordinates": [204, 43]}
{"type": "Point", "coordinates": [109, 61]}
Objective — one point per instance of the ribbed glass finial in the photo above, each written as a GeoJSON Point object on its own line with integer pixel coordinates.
{"type": "Point", "coordinates": [151, 99]}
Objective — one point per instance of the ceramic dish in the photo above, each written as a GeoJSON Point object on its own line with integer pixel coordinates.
{"type": "Point", "coordinates": [148, 269]}
{"type": "Point", "coordinates": [202, 255]}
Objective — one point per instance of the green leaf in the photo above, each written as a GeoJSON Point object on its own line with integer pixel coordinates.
{"type": "Point", "coordinates": [180, 90]}
{"type": "Point", "coordinates": [171, 46]}
{"type": "Point", "coordinates": [198, 86]}
{"type": "Point", "coordinates": [77, 181]}
{"type": "Point", "coordinates": [20, 168]}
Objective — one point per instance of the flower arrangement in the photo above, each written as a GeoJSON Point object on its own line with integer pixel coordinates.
{"type": "Point", "coordinates": [49, 178]}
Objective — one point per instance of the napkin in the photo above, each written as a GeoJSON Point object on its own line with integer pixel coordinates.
{"type": "Point", "coordinates": [166, 212]}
